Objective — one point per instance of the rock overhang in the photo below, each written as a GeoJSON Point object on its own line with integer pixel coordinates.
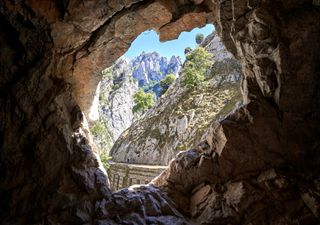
{"type": "Point", "coordinates": [93, 42]}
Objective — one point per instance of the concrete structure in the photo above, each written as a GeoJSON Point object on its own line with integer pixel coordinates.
{"type": "Point", "coordinates": [123, 175]}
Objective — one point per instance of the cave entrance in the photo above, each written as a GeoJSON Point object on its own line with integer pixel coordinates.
{"type": "Point", "coordinates": [263, 156]}
{"type": "Point", "coordinates": [151, 104]}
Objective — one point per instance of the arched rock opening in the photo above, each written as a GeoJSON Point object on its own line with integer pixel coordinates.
{"type": "Point", "coordinates": [266, 151]}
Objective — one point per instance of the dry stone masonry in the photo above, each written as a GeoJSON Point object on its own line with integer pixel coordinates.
{"type": "Point", "coordinates": [258, 165]}
{"type": "Point", "coordinates": [123, 175]}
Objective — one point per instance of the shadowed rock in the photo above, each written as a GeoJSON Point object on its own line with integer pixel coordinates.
{"type": "Point", "coordinates": [51, 55]}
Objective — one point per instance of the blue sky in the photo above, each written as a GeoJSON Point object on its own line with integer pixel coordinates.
{"type": "Point", "coordinates": [148, 41]}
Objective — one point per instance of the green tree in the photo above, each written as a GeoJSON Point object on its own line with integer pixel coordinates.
{"type": "Point", "coordinates": [105, 158]}
{"type": "Point", "coordinates": [166, 82]}
{"type": "Point", "coordinates": [187, 50]}
{"type": "Point", "coordinates": [143, 101]}
{"type": "Point", "coordinates": [102, 139]}
{"type": "Point", "coordinates": [195, 68]}
{"type": "Point", "coordinates": [98, 129]}
{"type": "Point", "coordinates": [199, 38]}
{"type": "Point", "coordinates": [107, 73]}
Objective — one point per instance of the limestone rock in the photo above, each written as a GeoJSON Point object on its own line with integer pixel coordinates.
{"type": "Point", "coordinates": [139, 205]}
{"type": "Point", "coordinates": [49, 172]}
{"type": "Point", "coordinates": [148, 67]}
{"type": "Point", "coordinates": [114, 102]}
{"type": "Point", "coordinates": [180, 118]}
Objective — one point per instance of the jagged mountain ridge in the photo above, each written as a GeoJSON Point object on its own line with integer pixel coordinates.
{"type": "Point", "coordinates": [148, 67]}
{"type": "Point", "coordinates": [181, 116]}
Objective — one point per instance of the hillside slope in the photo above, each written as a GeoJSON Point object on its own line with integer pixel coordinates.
{"type": "Point", "coordinates": [120, 82]}
{"type": "Point", "coordinates": [182, 115]}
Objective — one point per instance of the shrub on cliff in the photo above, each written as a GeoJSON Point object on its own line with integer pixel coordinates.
{"type": "Point", "coordinates": [101, 137]}
{"type": "Point", "coordinates": [199, 38]}
{"type": "Point", "coordinates": [105, 158]}
{"type": "Point", "coordinates": [187, 50]}
{"type": "Point", "coordinates": [143, 101]}
{"type": "Point", "coordinates": [166, 82]}
{"type": "Point", "coordinates": [98, 129]}
{"type": "Point", "coordinates": [196, 65]}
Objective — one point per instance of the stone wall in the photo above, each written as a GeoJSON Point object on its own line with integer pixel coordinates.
{"type": "Point", "coordinates": [123, 175]}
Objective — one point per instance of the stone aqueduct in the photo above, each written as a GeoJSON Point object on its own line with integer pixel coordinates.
{"type": "Point", "coordinates": [123, 175]}
{"type": "Point", "coordinates": [259, 165]}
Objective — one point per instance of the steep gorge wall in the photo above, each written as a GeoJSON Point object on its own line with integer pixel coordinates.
{"type": "Point", "coordinates": [263, 157]}
{"type": "Point", "coordinates": [182, 115]}
{"type": "Point", "coordinates": [115, 105]}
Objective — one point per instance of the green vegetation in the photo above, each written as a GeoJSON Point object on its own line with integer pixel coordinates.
{"type": "Point", "coordinates": [199, 38]}
{"type": "Point", "coordinates": [148, 87]}
{"type": "Point", "coordinates": [107, 73]}
{"type": "Point", "coordinates": [143, 101]}
{"type": "Point", "coordinates": [103, 97]}
{"type": "Point", "coordinates": [187, 50]}
{"type": "Point", "coordinates": [98, 128]}
{"type": "Point", "coordinates": [167, 81]}
{"type": "Point", "coordinates": [101, 134]}
{"type": "Point", "coordinates": [115, 87]}
{"type": "Point", "coordinates": [196, 65]}
{"type": "Point", "coordinates": [104, 156]}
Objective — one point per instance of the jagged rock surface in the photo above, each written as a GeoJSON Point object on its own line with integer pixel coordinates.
{"type": "Point", "coordinates": [148, 67]}
{"type": "Point", "coordinates": [118, 86]}
{"type": "Point", "coordinates": [130, 203]}
{"type": "Point", "coordinates": [182, 115]}
{"type": "Point", "coordinates": [115, 103]}
{"type": "Point", "coordinates": [51, 55]}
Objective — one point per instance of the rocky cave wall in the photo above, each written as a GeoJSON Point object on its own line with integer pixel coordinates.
{"type": "Point", "coordinates": [263, 156]}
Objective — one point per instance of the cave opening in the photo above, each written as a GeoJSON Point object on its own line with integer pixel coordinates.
{"type": "Point", "coordinates": [151, 103]}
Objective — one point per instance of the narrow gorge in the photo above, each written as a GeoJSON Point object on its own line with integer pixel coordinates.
{"type": "Point", "coordinates": [177, 121]}
{"type": "Point", "coordinates": [115, 93]}
{"type": "Point", "coordinates": [258, 164]}
{"type": "Point", "coordinates": [182, 115]}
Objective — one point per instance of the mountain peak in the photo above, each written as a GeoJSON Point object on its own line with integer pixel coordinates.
{"type": "Point", "coordinates": [151, 66]}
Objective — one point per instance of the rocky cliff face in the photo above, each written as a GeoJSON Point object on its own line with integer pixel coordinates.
{"type": "Point", "coordinates": [182, 116]}
{"type": "Point", "coordinates": [119, 84]}
{"type": "Point", "coordinates": [259, 165]}
{"type": "Point", "coordinates": [115, 104]}
{"type": "Point", "coordinates": [151, 67]}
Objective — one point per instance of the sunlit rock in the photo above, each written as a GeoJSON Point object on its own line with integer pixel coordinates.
{"type": "Point", "coordinates": [181, 116]}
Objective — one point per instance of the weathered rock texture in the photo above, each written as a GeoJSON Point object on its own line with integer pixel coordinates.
{"type": "Point", "coordinates": [151, 67]}
{"type": "Point", "coordinates": [182, 115]}
{"type": "Point", "coordinates": [113, 102]}
{"type": "Point", "coordinates": [257, 166]}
